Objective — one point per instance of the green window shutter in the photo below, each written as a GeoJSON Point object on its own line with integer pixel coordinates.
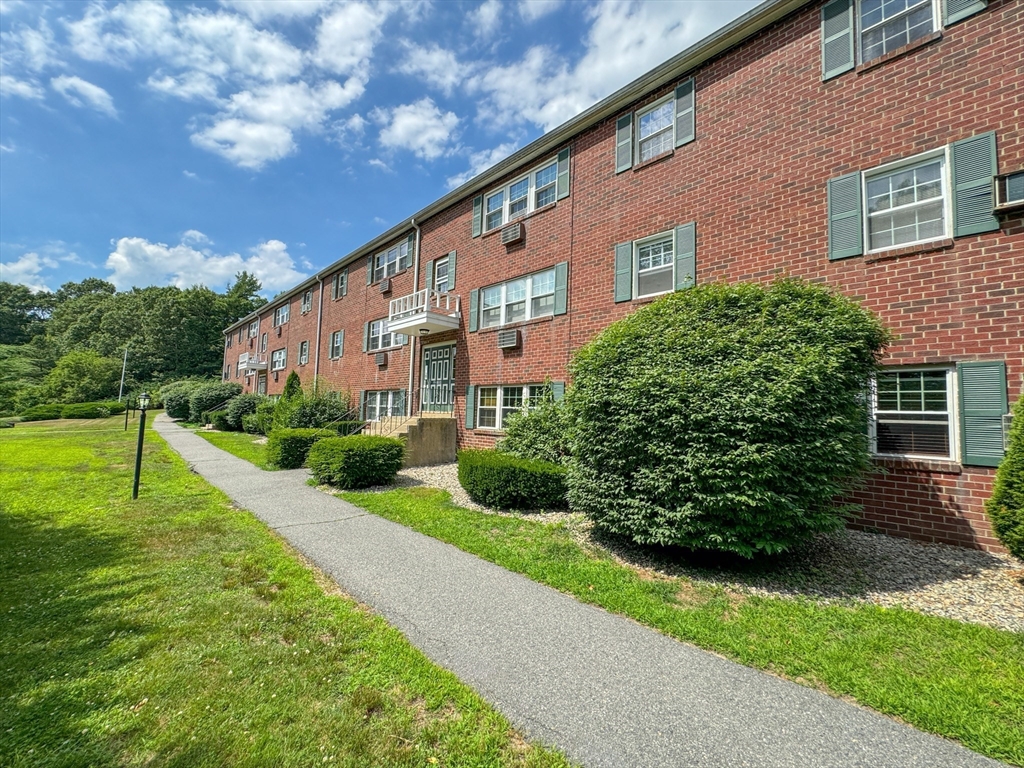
{"type": "Point", "coordinates": [974, 165]}
{"type": "Point", "coordinates": [557, 390]}
{"type": "Point", "coordinates": [334, 286]}
{"type": "Point", "coordinates": [470, 406]}
{"type": "Point", "coordinates": [957, 10]}
{"type": "Point", "coordinates": [562, 183]}
{"type": "Point", "coordinates": [623, 272]}
{"type": "Point", "coordinates": [344, 281]}
{"type": "Point", "coordinates": [624, 143]}
{"type": "Point", "coordinates": [478, 215]}
{"type": "Point", "coordinates": [561, 284]}
{"type": "Point", "coordinates": [366, 337]}
{"type": "Point", "coordinates": [686, 256]}
{"type": "Point", "coordinates": [685, 113]}
{"type": "Point", "coordinates": [451, 270]}
{"type": "Point", "coordinates": [430, 275]}
{"type": "Point", "coordinates": [474, 308]}
{"type": "Point", "coordinates": [982, 405]}
{"type": "Point", "coordinates": [362, 404]}
{"type": "Point", "coordinates": [409, 251]}
{"type": "Point", "coordinates": [845, 217]}
{"type": "Point", "coordinates": [369, 270]}
{"type": "Point", "coordinates": [836, 38]}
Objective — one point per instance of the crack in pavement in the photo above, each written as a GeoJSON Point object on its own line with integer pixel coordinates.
{"type": "Point", "coordinates": [318, 522]}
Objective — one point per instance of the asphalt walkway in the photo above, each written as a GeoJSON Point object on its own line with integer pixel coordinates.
{"type": "Point", "coordinates": [600, 687]}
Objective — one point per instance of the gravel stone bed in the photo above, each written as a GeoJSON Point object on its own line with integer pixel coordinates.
{"type": "Point", "coordinates": [847, 566]}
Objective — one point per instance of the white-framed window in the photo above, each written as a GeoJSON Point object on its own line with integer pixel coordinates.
{"type": "Point", "coordinates": [278, 359]}
{"type": "Point", "coordinates": [339, 284]}
{"type": "Point", "coordinates": [495, 404]}
{"type": "Point", "coordinates": [524, 195]}
{"type": "Point", "coordinates": [337, 344]}
{"type": "Point", "coordinates": [281, 314]}
{"type": "Point", "coordinates": [241, 334]}
{"type": "Point", "coordinates": [913, 413]}
{"type": "Point", "coordinates": [227, 372]}
{"type": "Point", "coordinates": [521, 299]}
{"type": "Point", "coordinates": [907, 202]}
{"type": "Point", "coordinates": [392, 261]}
{"type": "Point", "coordinates": [886, 25]}
{"type": "Point", "coordinates": [379, 337]}
{"type": "Point", "coordinates": [655, 129]}
{"type": "Point", "coordinates": [441, 275]}
{"type": "Point", "coordinates": [383, 403]}
{"type": "Point", "coordinates": [227, 342]}
{"type": "Point", "coordinates": [307, 301]}
{"type": "Point", "coordinates": [654, 265]}
{"type": "Point", "coordinates": [254, 329]}
{"type": "Point", "coordinates": [303, 352]}
{"type": "Point", "coordinates": [263, 343]}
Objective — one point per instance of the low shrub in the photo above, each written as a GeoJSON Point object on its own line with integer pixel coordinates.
{"type": "Point", "coordinates": [264, 421]}
{"type": "Point", "coordinates": [345, 428]}
{"type": "Point", "coordinates": [288, 448]}
{"type": "Point", "coordinates": [207, 397]}
{"type": "Point", "coordinates": [85, 411]}
{"type": "Point", "coordinates": [317, 410]}
{"type": "Point", "coordinates": [219, 419]}
{"type": "Point", "coordinates": [505, 481]}
{"type": "Point", "coordinates": [1006, 505]}
{"type": "Point", "coordinates": [251, 424]}
{"type": "Point", "coordinates": [42, 412]}
{"type": "Point", "coordinates": [357, 461]}
{"type": "Point", "coordinates": [539, 433]}
{"type": "Point", "coordinates": [176, 394]}
{"type": "Point", "coordinates": [115, 407]}
{"type": "Point", "coordinates": [242, 405]}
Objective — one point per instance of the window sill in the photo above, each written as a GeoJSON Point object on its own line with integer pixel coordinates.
{"type": "Point", "coordinates": [937, 466]}
{"type": "Point", "coordinates": [901, 51]}
{"type": "Point", "coordinates": [654, 160]}
{"type": "Point", "coordinates": [524, 217]}
{"type": "Point", "coordinates": [386, 277]}
{"type": "Point", "coordinates": [384, 349]}
{"type": "Point", "coordinates": [520, 324]}
{"type": "Point", "coordinates": [895, 253]}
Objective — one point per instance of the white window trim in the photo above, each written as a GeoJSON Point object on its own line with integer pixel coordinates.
{"type": "Point", "coordinates": [437, 263]}
{"type": "Point", "coordinates": [283, 358]}
{"type": "Point", "coordinates": [531, 195]}
{"type": "Point", "coordinates": [896, 165]}
{"type": "Point", "coordinates": [335, 346]}
{"type": "Point", "coordinates": [498, 418]}
{"type": "Point", "coordinates": [282, 315]}
{"type": "Point", "coordinates": [263, 343]}
{"type": "Point", "coordinates": [254, 329]}
{"type": "Point", "coordinates": [376, 393]}
{"type": "Point", "coordinates": [670, 234]}
{"type": "Point", "coordinates": [384, 324]}
{"type": "Point", "coordinates": [671, 97]}
{"type": "Point", "coordinates": [952, 412]}
{"type": "Point", "coordinates": [307, 302]}
{"type": "Point", "coordinates": [859, 32]}
{"type": "Point", "coordinates": [382, 268]}
{"type": "Point", "coordinates": [504, 302]}
{"type": "Point", "coordinates": [303, 357]}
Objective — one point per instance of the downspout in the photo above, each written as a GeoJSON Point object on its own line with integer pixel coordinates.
{"type": "Point", "coordinates": [412, 344]}
{"type": "Point", "coordinates": [319, 324]}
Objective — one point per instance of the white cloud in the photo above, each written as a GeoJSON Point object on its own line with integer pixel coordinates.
{"type": "Point", "coordinates": [486, 18]}
{"type": "Point", "coordinates": [346, 37]}
{"type": "Point", "coordinates": [32, 49]}
{"type": "Point", "coordinates": [188, 86]}
{"type": "Point", "coordinates": [481, 161]}
{"type": "Point", "coordinates": [119, 34]}
{"type": "Point", "coordinates": [380, 165]}
{"type": "Point", "coordinates": [531, 10]}
{"type": "Point", "coordinates": [11, 86]}
{"type": "Point", "coordinates": [246, 144]}
{"type": "Point", "coordinates": [262, 10]}
{"type": "Point", "coordinates": [27, 271]}
{"type": "Point", "coordinates": [189, 175]}
{"type": "Point", "coordinates": [195, 237]}
{"type": "Point", "coordinates": [7, 148]}
{"type": "Point", "coordinates": [420, 127]}
{"type": "Point", "coordinates": [83, 94]}
{"type": "Point", "coordinates": [435, 65]}
{"type": "Point", "coordinates": [137, 262]}
{"type": "Point", "coordinates": [225, 44]}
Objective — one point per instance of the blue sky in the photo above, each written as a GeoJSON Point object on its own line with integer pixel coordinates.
{"type": "Point", "coordinates": [152, 143]}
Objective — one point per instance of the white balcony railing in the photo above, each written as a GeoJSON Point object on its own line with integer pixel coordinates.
{"type": "Point", "coordinates": [425, 311]}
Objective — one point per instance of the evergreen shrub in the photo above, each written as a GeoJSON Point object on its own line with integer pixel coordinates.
{"type": "Point", "coordinates": [264, 421]}
{"type": "Point", "coordinates": [176, 395]}
{"type": "Point", "coordinates": [357, 461]}
{"type": "Point", "coordinates": [1006, 505]}
{"type": "Point", "coordinates": [344, 428]}
{"type": "Point", "coordinates": [115, 407]}
{"type": "Point", "coordinates": [505, 481]}
{"type": "Point", "coordinates": [288, 448]}
{"type": "Point", "coordinates": [242, 405]}
{"type": "Point", "coordinates": [42, 412]}
{"type": "Point", "coordinates": [207, 397]}
{"type": "Point", "coordinates": [317, 409]}
{"type": "Point", "coordinates": [85, 411]}
{"type": "Point", "coordinates": [724, 417]}
{"type": "Point", "coordinates": [251, 424]}
{"type": "Point", "coordinates": [219, 419]}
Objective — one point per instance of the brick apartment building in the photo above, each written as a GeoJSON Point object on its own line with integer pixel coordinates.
{"type": "Point", "coordinates": [873, 146]}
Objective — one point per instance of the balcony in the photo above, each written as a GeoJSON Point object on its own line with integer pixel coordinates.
{"type": "Point", "coordinates": [247, 362]}
{"type": "Point", "coordinates": [424, 312]}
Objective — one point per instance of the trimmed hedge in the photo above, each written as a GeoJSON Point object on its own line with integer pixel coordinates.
{"type": "Point", "coordinates": [243, 405]}
{"type": "Point", "coordinates": [176, 395]}
{"type": "Point", "coordinates": [505, 481]}
{"type": "Point", "coordinates": [114, 407]}
{"type": "Point", "coordinates": [264, 421]}
{"type": "Point", "coordinates": [1006, 505]}
{"type": "Point", "coordinates": [85, 411]}
{"type": "Point", "coordinates": [345, 428]}
{"type": "Point", "coordinates": [206, 397]}
{"type": "Point", "coordinates": [42, 412]}
{"type": "Point", "coordinates": [357, 461]}
{"type": "Point", "coordinates": [251, 424]}
{"type": "Point", "coordinates": [219, 419]}
{"type": "Point", "coordinates": [288, 448]}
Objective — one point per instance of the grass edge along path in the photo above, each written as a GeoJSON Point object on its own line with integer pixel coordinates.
{"type": "Point", "coordinates": [179, 631]}
{"type": "Point", "coordinates": [240, 444]}
{"type": "Point", "coordinates": [961, 681]}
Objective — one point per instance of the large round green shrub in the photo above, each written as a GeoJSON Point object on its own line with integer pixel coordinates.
{"type": "Point", "coordinates": [176, 394]}
{"type": "Point", "coordinates": [357, 461]}
{"type": "Point", "coordinates": [85, 411]}
{"type": "Point", "coordinates": [288, 448]}
{"type": "Point", "coordinates": [42, 412]}
{"type": "Point", "coordinates": [505, 481]}
{"type": "Point", "coordinates": [242, 405]}
{"type": "Point", "coordinates": [1006, 505]}
{"type": "Point", "coordinates": [725, 417]}
{"type": "Point", "coordinates": [209, 397]}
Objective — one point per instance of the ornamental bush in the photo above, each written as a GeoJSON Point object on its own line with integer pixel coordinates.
{"type": "Point", "coordinates": [724, 417]}
{"type": "Point", "coordinates": [505, 481]}
{"type": "Point", "coordinates": [344, 428]}
{"type": "Point", "coordinates": [85, 411]}
{"type": "Point", "coordinates": [317, 409]}
{"type": "Point", "coordinates": [357, 461]}
{"type": "Point", "coordinates": [243, 405]}
{"type": "Point", "coordinates": [42, 412]}
{"type": "Point", "coordinates": [210, 396]}
{"type": "Point", "coordinates": [288, 448]}
{"type": "Point", "coordinates": [539, 433]}
{"type": "Point", "coordinates": [251, 424]}
{"type": "Point", "coordinates": [175, 396]}
{"type": "Point", "coordinates": [114, 407]}
{"type": "Point", "coordinates": [264, 421]}
{"type": "Point", "coordinates": [1006, 505]}
{"type": "Point", "coordinates": [219, 420]}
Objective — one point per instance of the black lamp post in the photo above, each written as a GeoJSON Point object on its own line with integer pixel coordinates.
{"type": "Point", "coordinates": [143, 405]}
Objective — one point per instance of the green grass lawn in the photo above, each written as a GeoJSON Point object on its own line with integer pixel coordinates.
{"type": "Point", "coordinates": [959, 680]}
{"type": "Point", "coordinates": [240, 444]}
{"type": "Point", "coordinates": [177, 631]}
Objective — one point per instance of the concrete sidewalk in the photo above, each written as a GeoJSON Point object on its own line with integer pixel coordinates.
{"type": "Point", "coordinates": [605, 690]}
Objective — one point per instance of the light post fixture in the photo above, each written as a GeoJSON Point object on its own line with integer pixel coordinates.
{"type": "Point", "coordinates": [143, 405]}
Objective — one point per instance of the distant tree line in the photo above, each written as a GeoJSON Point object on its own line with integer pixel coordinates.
{"type": "Point", "coordinates": [68, 346]}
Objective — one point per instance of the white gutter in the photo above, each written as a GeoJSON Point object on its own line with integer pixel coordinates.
{"type": "Point", "coordinates": [412, 343]}
{"type": "Point", "coordinates": [319, 325]}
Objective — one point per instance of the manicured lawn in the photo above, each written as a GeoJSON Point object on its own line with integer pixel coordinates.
{"type": "Point", "coordinates": [240, 444]}
{"type": "Point", "coordinates": [178, 631]}
{"type": "Point", "coordinates": [959, 680]}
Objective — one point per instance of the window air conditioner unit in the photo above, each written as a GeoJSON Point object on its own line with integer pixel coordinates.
{"type": "Point", "coordinates": [513, 233]}
{"type": "Point", "coordinates": [382, 359]}
{"type": "Point", "coordinates": [279, 330]}
{"type": "Point", "coordinates": [1009, 191]}
{"type": "Point", "coordinates": [276, 374]}
{"type": "Point", "coordinates": [508, 339]}
{"type": "Point", "coordinates": [385, 285]}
